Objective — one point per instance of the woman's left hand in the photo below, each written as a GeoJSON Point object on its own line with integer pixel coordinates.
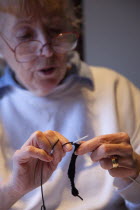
{"type": "Point", "coordinates": [104, 147]}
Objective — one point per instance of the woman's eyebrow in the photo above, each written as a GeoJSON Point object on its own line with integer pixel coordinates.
{"type": "Point", "coordinates": [21, 21]}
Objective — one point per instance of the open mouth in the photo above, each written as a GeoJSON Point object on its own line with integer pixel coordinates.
{"type": "Point", "coordinates": [48, 70]}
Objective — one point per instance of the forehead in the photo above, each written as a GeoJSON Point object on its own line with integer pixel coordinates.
{"type": "Point", "coordinates": [12, 23]}
{"type": "Point", "coordinates": [10, 19]}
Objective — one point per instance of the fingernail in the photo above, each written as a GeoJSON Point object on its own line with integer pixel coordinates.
{"type": "Point", "coordinates": [68, 147]}
{"type": "Point", "coordinates": [77, 152]}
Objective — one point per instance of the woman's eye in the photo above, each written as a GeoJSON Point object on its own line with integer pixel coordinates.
{"type": "Point", "coordinates": [24, 36]}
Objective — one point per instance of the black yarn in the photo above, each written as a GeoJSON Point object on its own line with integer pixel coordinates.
{"type": "Point", "coordinates": [71, 173]}
{"type": "Point", "coordinates": [54, 145]}
{"type": "Point", "coordinates": [43, 207]}
{"type": "Point", "coordinates": [71, 170]}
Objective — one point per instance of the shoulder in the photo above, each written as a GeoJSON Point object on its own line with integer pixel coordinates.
{"type": "Point", "coordinates": [120, 94]}
{"type": "Point", "coordinates": [106, 74]}
{"type": "Point", "coordinates": [110, 83]}
{"type": "Point", "coordinates": [104, 77]}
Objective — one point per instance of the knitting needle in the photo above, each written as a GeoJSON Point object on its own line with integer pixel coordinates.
{"type": "Point", "coordinates": [71, 142]}
{"type": "Point", "coordinates": [84, 137]}
{"type": "Point", "coordinates": [133, 180]}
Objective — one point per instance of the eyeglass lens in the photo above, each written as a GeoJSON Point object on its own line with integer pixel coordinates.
{"type": "Point", "coordinates": [30, 50]}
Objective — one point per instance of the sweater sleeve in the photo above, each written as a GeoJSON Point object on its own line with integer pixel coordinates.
{"type": "Point", "coordinates": [128, 97]}
{"type": "Point", "coordinates": [131, 194]}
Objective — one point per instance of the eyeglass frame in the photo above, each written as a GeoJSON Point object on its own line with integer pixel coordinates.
{"type": "Point", "coordinates": [41, 49]}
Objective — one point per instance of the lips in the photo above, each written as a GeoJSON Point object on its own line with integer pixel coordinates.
{"type": "Point", "coordinates": [46, 71]}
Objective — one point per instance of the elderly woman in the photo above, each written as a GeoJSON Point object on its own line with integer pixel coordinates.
{"type": "Point", "coordinates": [48, 97]}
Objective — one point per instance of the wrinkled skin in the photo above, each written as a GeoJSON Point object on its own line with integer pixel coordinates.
{"type": "Point", "coordinates": [29, 158]}
{"type": "Point", "coordinates": [103, 147]}
{"type": "Point", "coordinates": [29, 74]}
{"type": "Point", "coordinates": [36, 150]}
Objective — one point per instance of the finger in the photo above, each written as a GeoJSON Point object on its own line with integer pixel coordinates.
{"type": "Point", "coordinates": [57, 151]}
{"type": "Point", "coordinates": [107, 150]}
{"type": "Point", "coordinates": [122, 172]}
{"type": "Point", "coordinates": [26, 153]}
{"type": "Point", "coordinates": [128, 163]}
{"type": "Point", "coordinates": [39, 140]}
{"type": "Point", "coordinates": [93, 144]}
{"type": "Point", "coordinates": [63, 140]}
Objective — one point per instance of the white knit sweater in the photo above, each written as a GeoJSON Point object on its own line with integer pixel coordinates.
{"type": "Point", "coordinates": [108, 103]}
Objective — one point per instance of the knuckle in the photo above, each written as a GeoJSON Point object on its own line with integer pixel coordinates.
{"type": "Point", "coordinates": [129, 150]}
{"type": "Point", "coordinates": [50, 133]}
{"type": "Point", "coordinates": [104, 148]}
{"type": "Point", "coordinates": [37, 134]}
{"type": "Point", "coordinates": [51, 136]}
{"type": "Point", "coordinates": [29, 149]}
{"type": "Point", "coordinates": [102, 139]}
{"type": "Point", "coordinates": [125, 137]}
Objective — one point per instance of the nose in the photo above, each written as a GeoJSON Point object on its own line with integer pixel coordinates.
{"type": "Point", "coordinates": [47, 50]}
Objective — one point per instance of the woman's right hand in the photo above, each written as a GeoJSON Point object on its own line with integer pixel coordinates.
{"type": "Point", "coordinates": [27, 161]}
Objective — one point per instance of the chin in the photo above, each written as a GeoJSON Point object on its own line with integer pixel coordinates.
{"type": "Point", "coordinates": [42, 92]}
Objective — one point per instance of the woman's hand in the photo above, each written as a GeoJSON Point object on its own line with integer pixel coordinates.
{"type": "Point", "coordinates": [27, 162]}
{"type": "Point", "coordinates": [104, 147]}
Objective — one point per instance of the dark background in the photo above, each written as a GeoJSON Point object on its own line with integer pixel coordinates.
{"type": "Point", "coordinates": [80, 47]}
{"type": "Point", "coordinates": [111, 35]}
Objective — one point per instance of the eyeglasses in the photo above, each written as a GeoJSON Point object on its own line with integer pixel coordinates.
{"type": "Point", "coordinates": [30, 50]}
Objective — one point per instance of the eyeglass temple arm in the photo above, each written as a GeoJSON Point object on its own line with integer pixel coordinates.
{"type": "Point", "coordinates": [3, 38]}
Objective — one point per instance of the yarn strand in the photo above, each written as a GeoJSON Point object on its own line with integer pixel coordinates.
{"type": "Point", "coordinates": [43, 207]}
{"type": "Point", "coordinates": [71, 172]}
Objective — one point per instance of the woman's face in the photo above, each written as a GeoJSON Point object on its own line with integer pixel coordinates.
{"type": "Point", "coordinates": [41, 75]}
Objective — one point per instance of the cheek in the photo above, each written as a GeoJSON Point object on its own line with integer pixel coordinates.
{"type": "Point", "coordinates": [62, 59]}
{"type": "Point", "coordinates": [22, 72]}
{"type": "Point", "coordinates": [63, 63]}
{"type": "Point", "coordinates": [24, 76]}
